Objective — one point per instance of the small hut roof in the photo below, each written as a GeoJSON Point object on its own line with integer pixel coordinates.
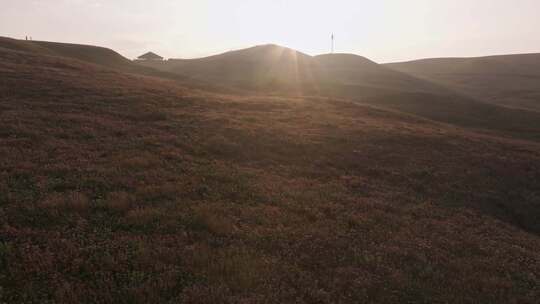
{"type": "Point", "coordinates": [150, 56]}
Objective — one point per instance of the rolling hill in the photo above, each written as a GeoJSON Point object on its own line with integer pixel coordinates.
{"type": "Point", "coordinates": [117, 187]}
{"type": "Point", "coordinates": [282, 71]}
{"type": "Point", "coordinates": [97, 55]}
{"type": "Point", "coordinates": [271, 67]}
{"type": "Point", "coordinates": [509, 80]}
{"type": "Point", "coordinates": [259, 67]}
{"type": "Point", "coordinates": [86, 53]}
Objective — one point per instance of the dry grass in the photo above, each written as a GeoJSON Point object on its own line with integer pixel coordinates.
{"type": "Point", "coordinates": [104, 199]}
{"type": "Point", "coordinates": [119, 201]}
{"type": "Point", "coordinates": [206, 219]}
{"type": "Point", "coordinates": [143, 216]}
{"type": "Point", "coordinates": [70, 202]}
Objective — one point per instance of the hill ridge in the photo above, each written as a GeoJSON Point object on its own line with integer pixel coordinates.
{"type": "Point", "coordinates": [508, 80]}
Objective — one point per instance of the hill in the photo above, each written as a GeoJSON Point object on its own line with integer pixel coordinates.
{"type": "Point", "coordinates": [121, 188]}
{"type": "Point", "coordinates": [282, 71]}
{"type": "Point", "coordinates": [86, 53]}
{"type": "Point", "coordinates": [509, 80]}
{"type": "Point", "coordinates": [270, 67]}
{"type": "Point", "coordinates": [354, 70]}
{"type": "Point", "coordinates": [96, 55]}
{"type": "Point", "coordinates": [265, 67]}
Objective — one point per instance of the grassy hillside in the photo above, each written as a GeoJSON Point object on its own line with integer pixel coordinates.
{"type": "Point", "coordinates": [510, 80]}
{"type": "Point", "coordinates": [99, 56]}
{"type": "Point", "coordinates": [464, 112]}
{"type": "Point", "coordinates": [354, 70]}
{"type": "Point", "coordinates": [281, 71]}
{"type": "Point", "coordinates": [270, 67]}
{"type": "Point", "coordinates": [265, 67]}
{"type": "Point", "coordinates": [87, 53]}
{"type": "Point", "coordinates": [120, 188]}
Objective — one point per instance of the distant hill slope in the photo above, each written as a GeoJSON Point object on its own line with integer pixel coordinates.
{"type": "Point", "coordinates": [350, 69]}
{"type": "Point", "coordinates": [511, 80]}
{"type": "Point", "coordinates": [100, 56]}
{"type": "Point", "coordinates": [257, 68]}
{"type": "Point", "coordinates": [87, 53]}
{"type": "Point", "coordinates": [272, 67]}
{"type": "Point", "coordinates": [279, 70]}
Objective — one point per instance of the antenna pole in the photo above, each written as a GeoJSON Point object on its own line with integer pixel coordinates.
{"type": "Point", "coordinates": [332, 43]}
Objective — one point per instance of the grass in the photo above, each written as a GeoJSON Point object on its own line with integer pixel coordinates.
{"type": "Point", "coordinates": [125, 189]}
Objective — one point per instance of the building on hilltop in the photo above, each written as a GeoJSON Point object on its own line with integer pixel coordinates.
{"type": "Point", "coordinates": [150, 56]}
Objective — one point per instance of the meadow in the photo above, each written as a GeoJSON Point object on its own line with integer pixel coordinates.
{"type": "Point", "coordinates": [122, 188]}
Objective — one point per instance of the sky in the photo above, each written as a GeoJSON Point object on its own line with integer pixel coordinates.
{"type": "Point", "coordinates": [382, 30]}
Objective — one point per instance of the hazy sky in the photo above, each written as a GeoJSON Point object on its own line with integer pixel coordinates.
{"type": "Point", "coordinates": [383, 30]}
